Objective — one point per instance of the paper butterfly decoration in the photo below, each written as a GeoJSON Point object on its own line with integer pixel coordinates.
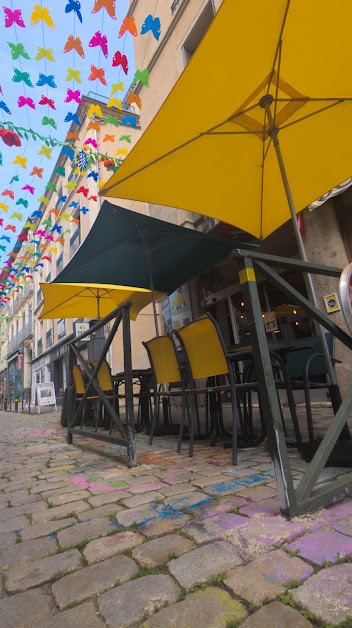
{"type": "Point", "coordinates": [72, 135]}
{"type": "Point", "coordinates": [51, 186]}
{"type": "Point", "coordinates": [73, 95]}
{"type": "Point", "coordinates": [92, 198]}
{"type": "Point", "coordinates": [93, 175]}
{"type": "Point", "coordinates": [40, 232]}
{"type": "Point", "coordinates": [13, 17]}
{"type": "Point", "coordinates": [91, 141]}
{"type": "Point", "coordinates": [95, 110]}
{"type": "Point", "coordinates": [54, 211]}
{"type": "Point", "coordinates": [120, 59]}
{"type": "Point", "coordinates": [74, 43]}
{"type": "Point", "coordinates": [100, 40]}
{"type": "Point", "coordinates": [17, 50]}
{"type": "Point", "coordinates": [29, 188]}
{"type": "Point", "coordinates": [22, 201]}
{"type": "Point", "coordinates": [44, 53]}
{"type": "Point", "coordinates": [75, 6]}
{"type": "Point", "coordinates": [65, 216]}
{"type": "Point", "coordinates": [134, 98]}
{"type": "Point", "coordinates": [83, 190]}
{"type": "Point", "coordinates": [111, 120]}
{"type": "Point", "coordinates": [46, 80]}
{"type": "Point", "coordinates": [94, 124]}
{"type": "Point", "coordinates": [129, 120]}
{"type": "Point", "coordinates": [49, 237]}
{"type": "Point", "coordinates": [117, 87]}
{"type": "Point", "coordinates": [4, 106]}
{"type": "Point", "coordinates": [126, 138]}
{"type": "Point", "coordinates": [114, 102]}
{"type": "Point", "coordinates": [84, 210]}
{"type": "Point", "coordinates": [121, 151]}
{"type": "Point", "coordinates": [97, 74]}
{"type": "Point", "coordinates": [16, 215]}
{"type": "Point", "coordinates": [109, 138]}
{"type": "Point", "coordinates": [142, 76]}
{"type": "Point", "coordinates": [10, 228]}
{"type": "Point", "coordinates": [151, 24]}
{"type": "Point", "coordinates": [7, 240]}
{"type": "Point", "coordinates": [4, 207]}
{"type": "Point", "coordinates": [60, 170]}
{"type": "Point", "coordinates": [47, 101]}
{"type": "Point", "coordinates": [68, 151]}
{"type": "Point", "coordinates": [41, 14]}
{"type": "Point", "coordinates": [45, 150]}
{"type": "Point", "coordinates": [23, 100]}
{"type": "Point", "coordinates": [44, 200]}
{"type": "Point", "coordinates": [49, 122]}
{"type": "Point", "coordinates": [74, 204]}
{"type": "Point", "coordinates": [73, 75]}
{"type": "Point", "coordinates": [19, 76]}
{"type": "Point", "coordinates": [128, 24]}
{"type": "Point", "coordinates": [72, 117]}
{"type": "Point", "coordinates": [108, 5]}
{"type": "Point", "coordinates": [21, 161]}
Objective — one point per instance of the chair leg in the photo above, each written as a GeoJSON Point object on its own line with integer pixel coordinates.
{"type": "Point", "coordinates": [183, 414]}
{"type": "Point", "coordinates": [193, 417]}
{"type": "Point", "coordinates": [154, 418]}
{"type": "Point", "coordinates": [234, 425]}
{"type": "Point", "coordinates": [309, 414]}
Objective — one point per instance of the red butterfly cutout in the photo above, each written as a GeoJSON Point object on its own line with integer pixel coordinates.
{"type": "Point", "coordinates": [46, 257]}
{"type": "Point", "coordinates": [10, 228]}
{"type": "Point", "coordinates": [97, 73]}
{"type": "Point", "coordinates": [128, 24]}
{"type": "Point", "coordinates": [8, 193]}
{"type": "Point", "coordinates": [74, 44]}
{"type": "Point", "coordinates": [120, 59]}
{"type": "Point", "coordinates": [83, 190]}
{"type": "Point", "coordinates": [47, 101]}
{"type": "Point", "coordinates": [13, 17]}
{"type": "Point", "coordinates": [109, 5]}
{"type": "Point", "coordinates": [93, 198]}
{"type": "Point", "coordinates": [100, 40]}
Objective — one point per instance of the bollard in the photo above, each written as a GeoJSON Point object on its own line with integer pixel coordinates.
{"type": "Point", "coordinates": [16, 404]}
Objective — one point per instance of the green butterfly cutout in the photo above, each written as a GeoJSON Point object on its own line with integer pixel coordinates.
{"type": "Point", "coordinates": [49, 121]}
{"type": "Point", "coordinates": [19, 76]}
{"type": "Point", "coordinates": [60, 170]}
{"type": "Point", "coordinates": [127, 138]}
{"type": "Point", "coordinates": [17, 50]}
{"type": "Point", "coordinates": [51, 186]}
{"type": "Point", "coordinates": [22, 201]}
{"type": "Point", "coordinates": [142, 76]}
{"type": "Point", "coordinates": [111, 120]}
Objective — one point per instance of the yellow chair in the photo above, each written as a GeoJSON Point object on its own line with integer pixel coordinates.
{"type": "Point", "coordinates": [166, 370]}
{"type": "Point", "coordinates": [80, 389]}
{"type": "Point", "coordinates": [205, 355]}
{"type": "Point", "coordinates": [106, 384]}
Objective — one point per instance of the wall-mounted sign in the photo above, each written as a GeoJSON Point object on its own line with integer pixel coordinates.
{"type": "Point", "coordinates": [82, 328]}
{"type": "Point", "coordinates": [61, 328]}
{"type": "Point", "coordinates": [332, 303]}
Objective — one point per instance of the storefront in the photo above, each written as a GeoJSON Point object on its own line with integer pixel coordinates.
{"type": "Point", "coordinates": [15, 374]}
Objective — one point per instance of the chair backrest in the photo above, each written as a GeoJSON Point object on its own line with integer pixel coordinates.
{"type": "Point", "coordinates": [204, 347]}
{"type": "Point", "coordinates": [163, 359]}
{"type": "Point", "coordinates": [104, 376]}
{"type": "Point", "coordinates": [78, 380]}
{"type": "Point", "coordinates": [296, 359]}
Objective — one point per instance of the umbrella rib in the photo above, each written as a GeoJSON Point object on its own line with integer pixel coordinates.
{"type": "Point", "coordinates": [277, 51]}
{"type": "Point", "coordinates": [310, 115]}
{"type": "Point", "coordinates": [277, 82]}
{"type": "Point", "coordinates": [264, 153]}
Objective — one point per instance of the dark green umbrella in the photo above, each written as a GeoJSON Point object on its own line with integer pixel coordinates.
{"type": "Point", "coordinates": [131, 249]}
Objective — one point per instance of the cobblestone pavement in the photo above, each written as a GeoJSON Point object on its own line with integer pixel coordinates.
{"type": "Point", "coordinates": [87, 542]}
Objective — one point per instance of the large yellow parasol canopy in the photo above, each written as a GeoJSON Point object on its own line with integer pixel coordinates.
{"type": "Point", "coordinates": [208, 149]}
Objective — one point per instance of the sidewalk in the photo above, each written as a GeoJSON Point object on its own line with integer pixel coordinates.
{"type": "Point", "coordinates": [86, 542]}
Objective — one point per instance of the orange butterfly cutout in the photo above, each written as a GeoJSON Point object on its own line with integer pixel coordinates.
{"type": "Point", "coordinates": [109, 5]}
{"type": "Point", "coordinates": [76, 220]}
{"type": "Point", "coordinates": [61, 240]}
{"type": "Point", "coordinates": [37, 171]}
{"type": "Point", "coordinates": [74, 43]}
{"type": "Point", "coordinates": [97, 73]}
{"type": "Point", "coordinates": [72, 135]}
{"type": "Point", "coordinates": [109, 138]}
{"type": "Point", "coordinates": [128, 24]}
{"type": "Point", "coordinates": [55, 211]}
{"type": "Point", "coordinates": [93, 124]}
{"type": "Point", "coordinates": [133, 97]}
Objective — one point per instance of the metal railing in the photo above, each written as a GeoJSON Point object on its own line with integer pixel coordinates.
{"type": "Point", "coordinates": [105, 100]}
{"type": "Point", "coordinates": [174, 6]}
{"type": "Point", "coordinates": [18, 338]}
{"type": "Point", "coordinates": [18, 301]}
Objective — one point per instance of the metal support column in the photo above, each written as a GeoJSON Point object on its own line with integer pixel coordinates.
{"type": "Point", "coordinates": [127, 363]}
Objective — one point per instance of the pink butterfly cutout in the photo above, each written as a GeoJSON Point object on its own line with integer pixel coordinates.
{"type": "Point", "coordinates": [100, 40]}
{"type": "Point", "coordinates": [29, 188]}
{"type": "Point", "coordinates": [22, 101]}
{"type": "Point", "coordinates": [91, 141]}
{"type": "Point", "coordinates": [13, 17]}
{"type": "Point", "coordinates": [73, 95]}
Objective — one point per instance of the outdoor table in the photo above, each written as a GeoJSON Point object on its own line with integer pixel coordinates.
{"type": "Point", "coordinates": [143, 376]}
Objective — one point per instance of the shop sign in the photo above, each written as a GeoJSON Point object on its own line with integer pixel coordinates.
{"type": "Point", "coordinates": [45, 394]}
{"type": "Point", "coordinates": [270, 321]}
{"type": "Point", "coordinates": [82, 328]}
{"type": "Point", "coordinates": [20, 361]}
{"type": "Point", "coordinates": [332, 303]}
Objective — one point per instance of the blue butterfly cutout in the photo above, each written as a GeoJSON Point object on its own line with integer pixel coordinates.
{"type": "Point", "coordinates": [129, 120]}
{"type": "Point", "coordinates": [72, 117]}
{"type": "Point", "coordinates": [74, 204]}
{"type": "Point", "coordinates": [93, 175]}
{"type": "Point", "coordinates": [74, 5]}
{"type": "Point", "coordinates": [4, 106]}
{"type": "Point", "coordinates": [35, 242]}
{"type": "Point", "coordinates": [37, 213]}
{"type": "Point", "coordinates": [151, 24]}
{"type": "Point", "coordinates": [46, 80]}
{"type": "Point", "coordinates": [26, 268]}
{"type": "Point", "coordinates": [62, 199]}
{"type": "Point", "coordinates": [84, 210]}
{"type": "Point", "coordinates": [68, 151]}
{"type": "Point", "coordinates": [5, 238]}
{"type": "Point", "coordinates": [57, 228]}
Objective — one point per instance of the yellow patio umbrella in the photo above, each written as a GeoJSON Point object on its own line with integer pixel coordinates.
{"type": "Point", "coordinates": [75, 300]}
{"type": "Point", "coordinates": [212, 147]}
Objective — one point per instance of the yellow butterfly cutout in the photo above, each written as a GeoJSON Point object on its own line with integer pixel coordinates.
{"type": "Point", "coordinates": [73, 75]}
{"type": "Point", "coordinates": [45, 150]}
{"type": "Point", "coordinates": [121, 151]}
{"type": "Point", "coordinates": [53, 249]}
{"type": "Point", "coordinates": [44, 53]}
{"type": "Point", "coordinates": [117, 87]}
{"type": "Point", "coordinates": [114, 102]}
{"type": "Point", "coordinates": [77, 170]}
{"type": "Point", "coordinates": [71, 185]}
{"type": "Point", "coordinates": [16, 215]}
{"type": "Point", "coordinates": [21, 161]}
{"type": "Point", "coordinates": [65, 216]}
{"type": "Point", "coordinates": [44, 200]}
{"type": "Point", "coordinates": [41, 13]}
{"type": "Point", "coordinates": [95, 110]}
{"type": "Point", "coordinates": [4, 207]}
{"type": "Point", "coordinates": [101, 183]}
{"type": "Point", "coordinates": [30, 251]}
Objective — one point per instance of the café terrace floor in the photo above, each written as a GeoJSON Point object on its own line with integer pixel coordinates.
{"type": "Point", "coordinates": [87, 542]}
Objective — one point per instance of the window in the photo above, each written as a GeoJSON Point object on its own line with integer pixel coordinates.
{"type": "Point", "coordinates": [48, 278]}
{"type": "Point", "coordinates": [61, 328]}
{"type": "Point", "coordinates": [75, 241]}
{"type": "Point", "coordinates": [39, 296]}
{"type": "Point", "coordinates": [40, 346]}
{"type": "Point", "coordinates": [59, 263]}
{"type": "Point", "coordinates": [198, 31]}
{"type": "Point", "coordinates": [49, 338]}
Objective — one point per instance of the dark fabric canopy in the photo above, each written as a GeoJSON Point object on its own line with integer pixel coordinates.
{"type": "Point", "coordinates": [127, 248]}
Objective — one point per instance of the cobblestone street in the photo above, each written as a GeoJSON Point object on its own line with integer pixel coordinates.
{"type": "Point", "coordinates": [85, 541]}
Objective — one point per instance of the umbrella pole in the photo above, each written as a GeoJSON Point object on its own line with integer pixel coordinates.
{"type": "Point", "coordinates": [265, 103]}
{"type": "Point", "coordinates": [153, 294]}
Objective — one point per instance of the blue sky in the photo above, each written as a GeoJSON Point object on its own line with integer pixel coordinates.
{"type": "Point", "coordinates": [31, 37]}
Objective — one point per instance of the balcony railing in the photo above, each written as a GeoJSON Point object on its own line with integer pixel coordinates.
{"type": "Point", "coordinates": [20, 337]}
{"type": "Point", "coordinates": [174, 6]}
{"type": "Point", "coordinates": [105, 100]}
{"type": "Point", "coordinates": [21, 297]}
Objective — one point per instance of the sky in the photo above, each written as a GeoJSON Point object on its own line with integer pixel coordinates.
{"type": "Point", "coordinates": [34, 38]}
